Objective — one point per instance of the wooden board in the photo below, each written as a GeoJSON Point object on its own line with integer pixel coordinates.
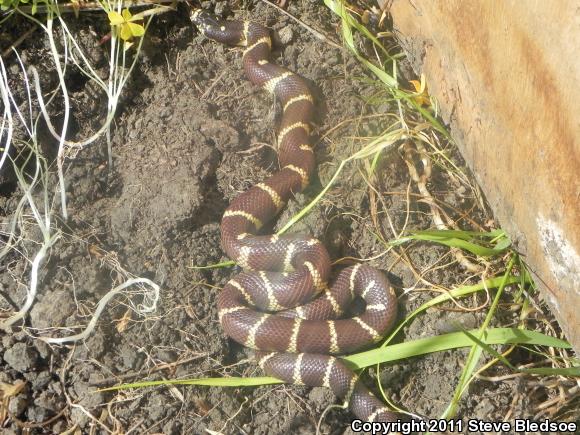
{"type": "Point", "coordinates": [506, 76]}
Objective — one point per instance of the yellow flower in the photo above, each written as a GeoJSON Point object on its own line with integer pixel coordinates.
{"type": "Point", "coordinates": [421, 96]}
{"type": "Point", "coordinates": [124, 21]}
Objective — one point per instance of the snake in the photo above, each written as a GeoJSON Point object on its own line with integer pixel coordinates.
{"type": "Point", "coordinates": [280, 305]}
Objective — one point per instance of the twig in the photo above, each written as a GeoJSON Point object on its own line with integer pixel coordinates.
{"type": "Point", "coordinates": [19, 41]}
{"type": "Point", "coordinates": [29, 425]}
{"type": "Point", "coordinates": [213, 85]}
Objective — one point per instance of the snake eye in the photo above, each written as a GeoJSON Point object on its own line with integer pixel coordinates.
{"type": "Point", "coordinates": [203, 19]}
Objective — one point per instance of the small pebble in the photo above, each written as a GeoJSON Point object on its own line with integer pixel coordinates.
{"type": "Point", "coordinates": [286, 35]}
{"type": "Point", "coordinates": [21, 357]}
{"type": "Point", "coordinates": [17, 405]}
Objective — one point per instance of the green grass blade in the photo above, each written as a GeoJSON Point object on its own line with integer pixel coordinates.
{"type": "Point", "coordinates": [207, 382]}
{"type": "Point", "coordinates": [463, 234]}
{"type": "Point", "coordinates": [489, 349]}
{"type": "Point", "coordinates": [376, 145]}
{"type": "Point", "coordinates": [338, 8]}
{"type": "Point", "coordinates": [461, 240]}
{"type": "Point", "coordinates": [453, 340]}
{"type": "Point", "coordinates": [390, 353]}
{"type": "Point", "coordinates": [550, 371]}
{"type": "Point", "coordinates": [348, 23]}
{"type": "Point", "coordinates": [390, 81]}
{"type": "Point", "coordinates": [454, 293]}
{"type": "Point", "coordinates": [475, 352]}
{"type": "Point", "coordinates": [428, 116]}
{"type": "Point", "coordinates": [475, 249]}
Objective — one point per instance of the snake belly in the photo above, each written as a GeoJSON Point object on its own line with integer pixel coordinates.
{"type": "Point", "coordinates": [281, 305]}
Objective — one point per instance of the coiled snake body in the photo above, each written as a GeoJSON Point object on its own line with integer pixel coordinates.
{"type": "Point", "coordinates": [270, 307]}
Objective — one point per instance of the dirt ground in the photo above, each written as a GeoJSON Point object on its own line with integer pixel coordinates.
{"type": "Point", "coordinates": [191, 134]}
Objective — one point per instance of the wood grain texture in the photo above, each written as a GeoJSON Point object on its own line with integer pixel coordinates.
{"type": "Point", "coordinates": [506, 76]}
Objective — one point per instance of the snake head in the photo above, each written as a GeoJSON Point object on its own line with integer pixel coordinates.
{"type": "Point", "coordinates": [203, 20]}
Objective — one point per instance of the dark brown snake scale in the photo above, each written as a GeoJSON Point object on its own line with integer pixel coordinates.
{"type": "Point", "coordinates": [270, 306]}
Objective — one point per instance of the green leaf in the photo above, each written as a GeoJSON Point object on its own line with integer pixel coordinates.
{"type": "Point", "coordinates": [503, 244]}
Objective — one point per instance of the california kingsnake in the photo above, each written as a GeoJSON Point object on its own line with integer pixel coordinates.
{"type": "Point", "coordinates": [285, 272]}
